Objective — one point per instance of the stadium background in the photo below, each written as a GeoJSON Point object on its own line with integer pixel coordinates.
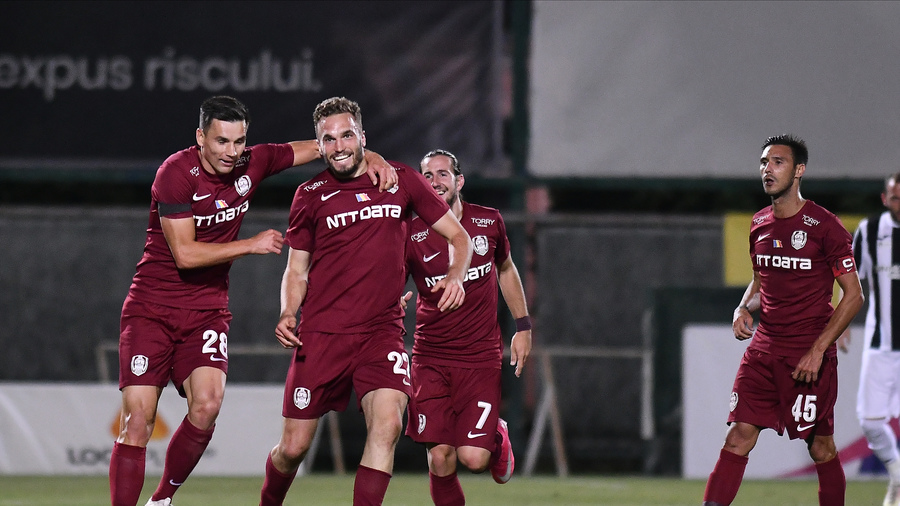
{"type": "Point", "coordinates": [618, 139]}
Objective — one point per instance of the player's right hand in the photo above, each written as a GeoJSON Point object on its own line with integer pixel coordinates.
{"type": "Point", "coordinates": [453, 296]}
{"type": "Point", "coordinates": [284, 332]}
{"type": "Point", "coordinates": [268, 241]}
{"type": "Point", "coordinates": [742, 324]}
{"type": "Point", "coordinates": [405, 299]}
{"type": "Point", "coordinates": [380, 172]}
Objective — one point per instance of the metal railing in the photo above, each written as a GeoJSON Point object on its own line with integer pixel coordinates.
{"type": "Point", "coordinates": [547, 411]}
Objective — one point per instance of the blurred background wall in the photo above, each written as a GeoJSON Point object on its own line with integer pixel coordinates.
{"type": "Point", "coordinates": [619, 139]}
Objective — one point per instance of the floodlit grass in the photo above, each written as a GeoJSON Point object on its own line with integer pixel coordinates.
{"type": "Point", "coordinates": [412, 490]}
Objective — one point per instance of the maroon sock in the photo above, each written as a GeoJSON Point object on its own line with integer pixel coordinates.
{"type": "Point", "coordinates": [276, 486]}
{"type": "Point", "coordinates": [725, 479]}
{"type": "Point", "coordinates": [370, 486]}
{"type": "Point", "coordinates": [832, 482]}
{"type": "Point", "coordinates": [185, 449]}
{"type": "Point", "coordinates": [126, 474]}
{"type": "Point", "coordinates": [446, 490]}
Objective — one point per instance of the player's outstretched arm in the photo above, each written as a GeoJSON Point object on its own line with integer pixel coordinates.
{"type": "Point", "coordinates": [460, 256]}
{"type": "Point", "coordinates": [514, 295]}
{"type": "Point", "coordinates": [189, 253]}
{"type": "Point", "coordinates": [293, 292]}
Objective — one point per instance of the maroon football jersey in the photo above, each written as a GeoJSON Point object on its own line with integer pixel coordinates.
{"type": "Point", "coordinates": [356, 237]}
{"type": "Point", "coordinates": [797, 259]}
{"type": "Point", "coordinates": [218, 205]}
{"type": "Point", "coordinates": [470, 335]}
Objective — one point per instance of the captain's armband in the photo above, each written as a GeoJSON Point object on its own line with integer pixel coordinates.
{"type": "Point", "coordinates": [843, 266]}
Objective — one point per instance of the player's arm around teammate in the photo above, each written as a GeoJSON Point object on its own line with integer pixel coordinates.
{"type": "Point", "coordinates": [181, 233]}
{"type": "Point", "coordinates": [460, 256]}
{"type": "Point", "coordinates": [379, 171]}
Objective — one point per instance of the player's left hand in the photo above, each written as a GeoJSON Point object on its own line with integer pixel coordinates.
{"type": "Point", "coordinates": [379, 170]}
{"type": "Point", "coordinates": [285, 332]}
{"type": "Point", "coordinates": [807, 370]}
{"type": "Point", "coordinates": [519, 349]}
{"type": "Point", "coordinates": [453, 296]}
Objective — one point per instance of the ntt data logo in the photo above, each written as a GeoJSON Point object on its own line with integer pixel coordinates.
{"type": "Point", "coordinates": [168, 71]}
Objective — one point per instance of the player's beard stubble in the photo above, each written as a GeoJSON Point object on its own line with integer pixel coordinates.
{"type": "Point", "coordinates": [346, 171]}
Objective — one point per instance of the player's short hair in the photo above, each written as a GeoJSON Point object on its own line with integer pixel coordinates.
{"type": "Point", "coordinates": [222, 108]}
{"type": "Point", "coordinates": [797, 145]}
{"type": "Point", "coordinates": [454, 163]}
{"type": "Point", "coordinates": [337, 105]}
{"type": "Point", "coordinates": [895, 177]}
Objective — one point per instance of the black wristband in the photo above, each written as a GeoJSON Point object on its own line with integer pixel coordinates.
{"type": "Point", "coordinates": [523, 323]}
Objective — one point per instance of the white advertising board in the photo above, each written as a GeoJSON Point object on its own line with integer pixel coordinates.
{"type": "Point", "coordinates": [56, 428]}
{"type": "Point", "coordinates": [710, 358]}
{"type": "Point", "coordinates": [691, 89]}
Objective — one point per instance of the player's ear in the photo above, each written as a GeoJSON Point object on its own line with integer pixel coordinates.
{"type": "Point", "coordinates": [200, 137]}
{"type": "Point", "coordinates": [362, 138]}
{"type": "Point", "coordinates": [460, 181]}
{"type": "Point", "coordinates": [801, 168]}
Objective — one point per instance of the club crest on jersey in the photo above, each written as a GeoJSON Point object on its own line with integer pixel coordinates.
{"type": "Point", "coordinates": [139, 364]}
{"type": "Point", "coordinates": [195, 171]}
{"type": "Point", "coordinates": [798, 239]}
{"type": "Point", "coordinates": [481, 244]}
{"type": "Point", "coordinates": [242, 185]}
{"type": "Point", "coordinates": [421, 423]}
{"type": "Point", "coordinates": [734, 401]}
{"type": "Point", "coordinates": [301, 397]}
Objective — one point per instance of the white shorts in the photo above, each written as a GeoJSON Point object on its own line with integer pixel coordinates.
{"type": "Point", "coordinates": [879, 385]}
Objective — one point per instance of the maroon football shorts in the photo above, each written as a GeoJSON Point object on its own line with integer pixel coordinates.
{"type": "Point", "coordinates": [454, 406]}
{"type": "Point", "coordinates": [325, 368]}
{"type": "Point", "coordinates": [766, 395]}
{"type": "Point", "coordinates": [159, 343]}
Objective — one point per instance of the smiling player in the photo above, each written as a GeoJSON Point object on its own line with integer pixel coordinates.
{"type": "Point", "coordinates": [457, 356]}
{"type": "Point", "coordinates": [345, 269]}
{"type": "Point", "coordinates": [175, 319]}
